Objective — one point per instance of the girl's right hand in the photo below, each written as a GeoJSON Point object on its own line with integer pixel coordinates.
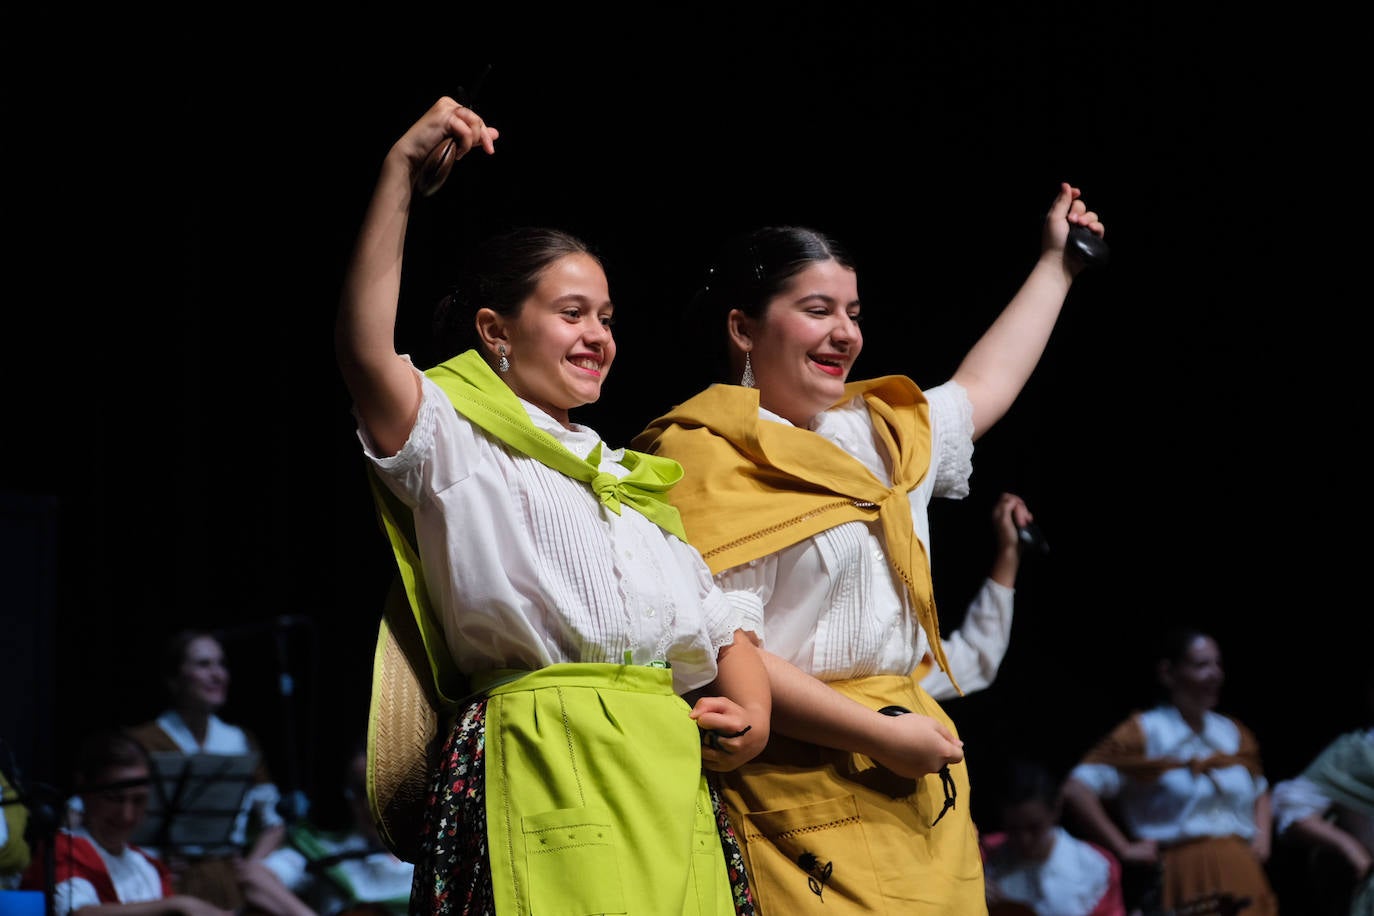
{"type": "Point", "coordinates": [445, 121]}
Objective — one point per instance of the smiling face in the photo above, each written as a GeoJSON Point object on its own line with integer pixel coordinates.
{"type": "Point", "coordinates": [1194, 679]}
{"type": "Point", "coordinates": [201, 683]}
{"type": "Point", "coordinates": [806, 344]}
{"type": "Point", "coordinates": [117, 804]}
{"type": "Point", "coordinates": [560, 345]}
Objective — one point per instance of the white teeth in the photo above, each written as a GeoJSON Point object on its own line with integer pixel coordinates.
{"type": "Point", "coordinates": [591, 364]}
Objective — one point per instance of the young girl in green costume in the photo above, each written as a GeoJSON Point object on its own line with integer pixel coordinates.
{"type": "Point", "coordinates": [559, 582]}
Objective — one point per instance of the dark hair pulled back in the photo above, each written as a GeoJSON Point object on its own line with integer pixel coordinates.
{"type": "Point", "coordinates": [747, 273]}
{"type": "Point", "coordinates": [500, 273]}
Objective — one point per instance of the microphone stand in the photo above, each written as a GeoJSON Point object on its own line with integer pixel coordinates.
{"type": "Point", "coordinates": [293, 804]}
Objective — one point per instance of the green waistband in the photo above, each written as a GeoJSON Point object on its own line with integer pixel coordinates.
{"type": "Point", "coordinates": [603, 676]}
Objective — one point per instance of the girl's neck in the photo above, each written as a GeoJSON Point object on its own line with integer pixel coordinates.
{"type": "Point", "coordinates": [1193, 715]}
{"type": "Point", "coordinates": [197, 721]}
{"type": "Point", "coordinates": [114, 849]}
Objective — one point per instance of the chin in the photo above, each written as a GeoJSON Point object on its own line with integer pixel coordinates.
{"type": "Point", "coordinates": [826, 396]}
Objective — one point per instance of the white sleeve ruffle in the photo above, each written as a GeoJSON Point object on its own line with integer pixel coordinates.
{"type": "Point", "coordinates": [1295, 799]}
{"type": "Point", "coordinates": [951, 445]}
{"type": "Point", "coordinates": [748, 587]}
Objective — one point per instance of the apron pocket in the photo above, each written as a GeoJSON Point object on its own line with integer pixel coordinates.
{"type": "Point", "coordinates": [572, 862]}
{"type": "Point", "coordinates": [813, 858]}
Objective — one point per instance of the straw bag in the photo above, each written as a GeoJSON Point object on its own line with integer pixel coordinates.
{"type": "Point", "coordinates": [402, 729]}
{"type": "Point", "coordinates": [414, 689]}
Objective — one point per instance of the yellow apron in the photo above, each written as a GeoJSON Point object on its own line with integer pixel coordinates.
{"type": "Point", "coordinates": [830, 832]}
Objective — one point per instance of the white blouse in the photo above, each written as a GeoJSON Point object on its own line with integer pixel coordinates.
{"type": "Point", "coordinates": [539, 571]}
{"type": "Point", "coordinates": [832, 605]}
{"type": "Point", "coordinates": [1071, 881]}
{"type": "Point", "coordinates": [1181, 804]}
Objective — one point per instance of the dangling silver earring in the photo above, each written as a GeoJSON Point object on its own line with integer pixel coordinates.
{"type": "Point", "coordinates": [747, 380]}
{"type": "Point", "coordinates": [502, 364]}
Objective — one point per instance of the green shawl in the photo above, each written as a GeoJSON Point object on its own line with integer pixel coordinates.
{"type": "Point", "coordinates": [479, 394]}
{"type": "Point", "coordinates": [1344, 771]}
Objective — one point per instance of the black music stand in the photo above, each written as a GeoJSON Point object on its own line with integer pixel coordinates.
{"type": "Point", "coordinates": [196, 801]}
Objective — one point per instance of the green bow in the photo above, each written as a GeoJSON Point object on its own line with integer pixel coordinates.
{"type": "Point", "coordinates": [480, 395]}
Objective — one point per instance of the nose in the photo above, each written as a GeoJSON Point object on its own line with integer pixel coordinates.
{"type": "Point", "coordinates": [845, 330]}
{"type": "Point", "coordinates": [596, 331]}
{"type": "Point", "coordinates": [131, 812]}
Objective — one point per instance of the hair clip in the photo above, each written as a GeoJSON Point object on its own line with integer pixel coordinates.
{"type": "Point", "coordinates": [756, 262]}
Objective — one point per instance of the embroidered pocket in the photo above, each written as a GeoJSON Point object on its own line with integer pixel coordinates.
{"type": "Point", "coordinates": [572, 863]}
{"type": "Point", "coordinates": [812, 858]}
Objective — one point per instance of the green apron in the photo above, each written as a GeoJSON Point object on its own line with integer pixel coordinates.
{"type": "Point", "coordinates": [596, 798]}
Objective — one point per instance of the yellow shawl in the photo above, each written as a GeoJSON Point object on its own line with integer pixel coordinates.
{"type": "Point", "coordinates": [752, 487]}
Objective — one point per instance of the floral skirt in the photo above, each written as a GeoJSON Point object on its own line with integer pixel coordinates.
{"type": "Point", "coordinates": [453, 876]}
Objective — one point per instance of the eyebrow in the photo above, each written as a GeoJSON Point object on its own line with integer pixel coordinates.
{"type": "Point", "coordinates": [828, 300]}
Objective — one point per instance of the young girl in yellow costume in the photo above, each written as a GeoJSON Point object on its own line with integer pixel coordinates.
{"type": "Point", "coordinates": [807, 495]}
{"type": "Point", "coordinates": [548, 571]}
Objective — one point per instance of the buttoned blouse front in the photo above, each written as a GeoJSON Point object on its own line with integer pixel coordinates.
{"type": "Point", "coordinates": [831, 604]}
{"type": "Point", "coordinates": [534, 569]}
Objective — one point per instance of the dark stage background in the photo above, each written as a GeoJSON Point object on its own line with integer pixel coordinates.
{"type": "Point", "coordinates": [178, 446]}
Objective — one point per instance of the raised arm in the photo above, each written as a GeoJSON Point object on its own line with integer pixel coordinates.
{"type": "Point", "coordinates": [995, 370]}
{"type": "Point", "coordinates": [383, 386]}
{"type": "Point", "coordinates": [1009, 516]}
{"type": "Point", "coordinates": [975, 650]}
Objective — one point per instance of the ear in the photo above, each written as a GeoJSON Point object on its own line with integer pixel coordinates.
{"type": "Point", "coordinates": [491, 330]}
{"type": "Point", "coordinates": [740, 328]}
